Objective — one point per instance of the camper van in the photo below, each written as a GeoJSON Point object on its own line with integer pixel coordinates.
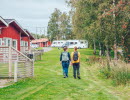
{"type": "Point", "coordinates": [58, 43]}
{"type": "Point", "coordinates": [78, 43]}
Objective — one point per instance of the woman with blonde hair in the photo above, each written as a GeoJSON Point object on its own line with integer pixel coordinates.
{"type": "Point", "coordinates": [75, 61]}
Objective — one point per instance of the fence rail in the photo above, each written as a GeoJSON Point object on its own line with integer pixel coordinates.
{"type": "Point", "coordinates": [37, 54]}
{"type": "Point", "coordinates": [15, 64]}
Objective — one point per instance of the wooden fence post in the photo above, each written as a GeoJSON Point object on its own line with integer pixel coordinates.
{"type": "Point", "coordinates": [33, 56]}
{"type": "Point", "coordinates": [15, 71]}
{"type": "Point", "coordinates": [10, 61]}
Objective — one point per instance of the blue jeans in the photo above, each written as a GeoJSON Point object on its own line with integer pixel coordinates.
{"type": "Point", "coordinates": [65, 66]}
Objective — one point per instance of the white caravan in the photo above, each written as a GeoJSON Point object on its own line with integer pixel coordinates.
{"type": "Point", "coordinates": [58, 43]}
{"type": "Point", "coordinates": [78, 43]}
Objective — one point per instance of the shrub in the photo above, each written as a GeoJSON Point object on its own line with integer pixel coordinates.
{"type": "Point", "coordinates": [118, 71]}
{"type": "Point", "coordinates": [93, 59]}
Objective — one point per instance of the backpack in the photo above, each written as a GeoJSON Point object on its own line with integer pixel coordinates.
{"type": "Point", "coordinates": [65, 56]}
{"type": "Point", "coordinates": [75, 56]}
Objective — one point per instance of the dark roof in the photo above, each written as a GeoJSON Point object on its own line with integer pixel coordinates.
{"type": "Point", "coordinates": [2, 21]}
{"type": "Point", "coordinates": [9, 20]}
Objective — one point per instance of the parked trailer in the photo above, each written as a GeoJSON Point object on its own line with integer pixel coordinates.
{"type": "Point", "coordinates": [58, 43]}
{"type": "Point", "coordinates": [78, 43]}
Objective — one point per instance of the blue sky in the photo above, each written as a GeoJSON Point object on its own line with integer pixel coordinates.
{"type": "Point", "coordinates": [31, 13]}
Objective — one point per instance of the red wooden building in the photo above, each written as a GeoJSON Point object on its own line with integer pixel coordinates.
{"type": "Point", "coordinates": [12, 34]}
{"type": "Point", "coordinates": [43, 42]}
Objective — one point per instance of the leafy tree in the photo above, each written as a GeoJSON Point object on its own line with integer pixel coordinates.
{"type": "Point", "coordinates": [53, 25]}
{"type": "Point", "coordinates": [59, 26]}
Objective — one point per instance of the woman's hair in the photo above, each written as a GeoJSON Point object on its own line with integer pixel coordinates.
{"type": "Point", "coordinates": [75, 48]}
{"type": "Point", "coordinates": [65, 48]}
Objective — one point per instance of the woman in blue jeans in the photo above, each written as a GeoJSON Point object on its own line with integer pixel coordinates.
{"type": "Point", "coordinates": [65, 61]}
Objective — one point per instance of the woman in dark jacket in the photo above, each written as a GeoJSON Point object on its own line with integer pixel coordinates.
{"type": "Point", "coordinates": [65, 61]}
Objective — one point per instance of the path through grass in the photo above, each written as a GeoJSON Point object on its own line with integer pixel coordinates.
{"type": "Point", "coordinates": [49, 84]}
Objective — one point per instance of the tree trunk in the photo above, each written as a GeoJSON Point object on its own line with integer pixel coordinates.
{"type": "Point", "coordinates": [107, 52]}
{"type": "Point", "coordinates": [94, 47]}
{"type": "Point", "coordinates": [115, 51]}
{"type": "Point", "coordinates": [100, 49]}
{"type": "Point", "coordinates": [115, 42]}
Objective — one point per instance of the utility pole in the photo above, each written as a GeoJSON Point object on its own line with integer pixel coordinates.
{"type": "Point", "coordinates": [36, 33]}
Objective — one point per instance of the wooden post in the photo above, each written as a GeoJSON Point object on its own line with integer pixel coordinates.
{"type": "Point", "coordinates": [15, 71]}
{"type": "Point", "coordinates": [33, 69]}
{"type": "Point", "coordinates": [33, 56]}
{"type": "Point", "coordinates": [10, 61]}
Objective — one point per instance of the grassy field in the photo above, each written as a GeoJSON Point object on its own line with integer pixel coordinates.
{"type": "Point", "coordinates": [49, 84]}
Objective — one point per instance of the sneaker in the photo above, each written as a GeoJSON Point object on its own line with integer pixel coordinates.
{"type": "Point", "coordinates": [79, 78]}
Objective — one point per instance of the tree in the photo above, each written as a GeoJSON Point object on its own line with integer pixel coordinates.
{"type": "Point", "coordinates": [59, 26]}
{"type": "Point", "coordinates": [100, 22]}
{"type": "Point", "coordinates": [53, 25]}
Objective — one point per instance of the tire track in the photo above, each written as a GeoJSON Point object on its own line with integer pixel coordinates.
{"type": "Point", "coordinates": [32, 91]}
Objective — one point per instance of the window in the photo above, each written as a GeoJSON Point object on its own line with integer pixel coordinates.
{"type": "Point", "coordinates": [55, 43]}
{"type": "Point", "coordinates": [26, 44]}
{"type": "Point", "coordinates": [14, 44]}
{"type": "Point", "coordinates": [22, 43]}
{"type": "Point", "coordinates": [82, 42]}
{"type": "Point", "coordinates": [71, 43]}
{"type": "Point", "coordinates": [7, 41]}
{"type": "Point", "coordinates": [76, 43]}
{"type": "Point", "coordinates": [0, 41]}
{"type": "Point", "coordinates": [67, 44]}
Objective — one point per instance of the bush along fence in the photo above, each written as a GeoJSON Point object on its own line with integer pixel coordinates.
{"type": "Point", "coordinates": [14, 64]}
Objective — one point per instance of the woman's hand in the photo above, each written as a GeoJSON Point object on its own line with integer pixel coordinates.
{"type": "Point", "coordinates": [71, 63]}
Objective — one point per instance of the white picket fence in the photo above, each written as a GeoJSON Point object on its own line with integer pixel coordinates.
{"type": "Point", "coordinates": [14, 64]}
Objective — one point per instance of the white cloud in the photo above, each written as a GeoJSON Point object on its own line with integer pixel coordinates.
{"type": "Point", "coordinates": [31, 13]}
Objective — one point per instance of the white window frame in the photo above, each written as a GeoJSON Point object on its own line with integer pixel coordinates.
{"type": "Point", "coordinates": [1, 41]}
{"type": "Point", "coordinates": [16, 43]}
{"type": "Point", "coordinates": [22, 43]}
{"type": "Point", "coordinates": [7, 41]}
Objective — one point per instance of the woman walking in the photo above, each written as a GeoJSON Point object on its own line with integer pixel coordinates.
{"type": "Point", "coordinates": [75, 60]}
{"type": "Point", "coordinates": [65, 61]}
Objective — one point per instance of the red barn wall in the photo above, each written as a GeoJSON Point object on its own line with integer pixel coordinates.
{"type": "Point", "coordinates": [11, 32]}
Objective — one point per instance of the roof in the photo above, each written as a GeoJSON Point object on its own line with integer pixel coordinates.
{"type": "Point", "coordinates": [2, 21]}
{"type": "Point", "coordinates": [7, 22]}
{"type": "Point", "coordinates": [17, 25]}
{"type": "Point", "coordinates": [30, 35]}
{"type": "Point", "coordinates": [39, 40]}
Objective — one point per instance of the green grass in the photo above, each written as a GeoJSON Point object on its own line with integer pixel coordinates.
{"type": "Point", "coordinates": [48, 83]}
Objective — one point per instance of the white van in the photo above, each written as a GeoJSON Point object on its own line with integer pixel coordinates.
{"type": "Point", "coordinates": [78, 43]}
{"type": "Point", "coordinates": [58, 43]}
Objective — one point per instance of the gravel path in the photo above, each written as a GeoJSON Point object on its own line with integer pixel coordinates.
{"type": "Point", "coordinates": [46, 49]}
